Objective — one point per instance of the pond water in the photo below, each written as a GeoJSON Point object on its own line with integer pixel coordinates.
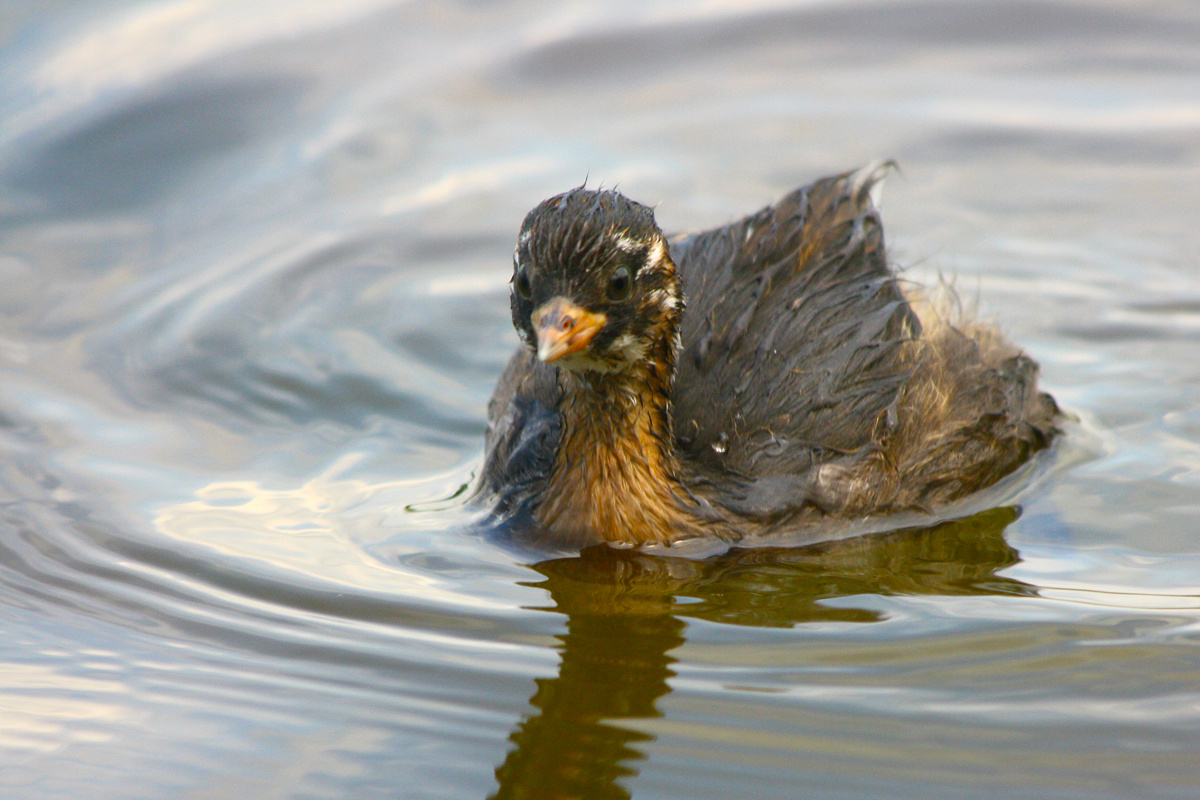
{"type": "Point", "coordinates": [254, 260]}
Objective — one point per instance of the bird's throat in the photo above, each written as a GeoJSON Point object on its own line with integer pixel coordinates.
{"type": "Point", "coordinates": [615, 475]}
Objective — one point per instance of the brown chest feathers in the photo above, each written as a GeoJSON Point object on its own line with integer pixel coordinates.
{"type": "Point", "coordinates": [615, 472]}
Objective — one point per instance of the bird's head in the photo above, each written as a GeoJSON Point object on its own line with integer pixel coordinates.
{"type": "Point", "coordinates": [593, 286]}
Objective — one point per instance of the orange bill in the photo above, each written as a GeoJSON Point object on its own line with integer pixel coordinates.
{"type": "Point", "coordinates": [563, 328]}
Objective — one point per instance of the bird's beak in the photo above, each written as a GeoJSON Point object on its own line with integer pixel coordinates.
{"type": "Point", "coordinates": [563, 328]}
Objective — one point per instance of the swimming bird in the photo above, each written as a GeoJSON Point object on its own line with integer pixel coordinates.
{"type": "Point", "coordinates": [769, 374]}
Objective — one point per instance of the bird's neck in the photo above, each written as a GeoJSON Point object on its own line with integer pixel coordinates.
{"type": "Point", "coordinates": [615, 476]}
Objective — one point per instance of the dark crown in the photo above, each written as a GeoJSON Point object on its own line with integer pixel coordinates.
{"type": "Point", "coordinates": [579, 227]}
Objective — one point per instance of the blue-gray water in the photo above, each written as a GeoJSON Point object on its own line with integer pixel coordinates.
{"type": "Point", "coordinates": [253, 265]}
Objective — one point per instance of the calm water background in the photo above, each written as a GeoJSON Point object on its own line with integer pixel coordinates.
{"type": "Point", "coordinates": [253, 259]}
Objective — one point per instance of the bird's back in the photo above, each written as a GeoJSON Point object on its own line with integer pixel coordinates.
{"type": "Point", "coordinates": [808, 378]}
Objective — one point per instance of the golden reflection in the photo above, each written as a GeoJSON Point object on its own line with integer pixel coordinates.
{"type": "Point", "coordinates": [626, 611]}
{"type": "Point", "coordinates": [41, 708]}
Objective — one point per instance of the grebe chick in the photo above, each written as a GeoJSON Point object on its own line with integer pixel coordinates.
{"type": "Point", "coordinates": [767, 374]}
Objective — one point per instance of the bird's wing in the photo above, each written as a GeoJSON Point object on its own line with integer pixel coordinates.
{"type": "Point", "coordinates": [523, 431]}
{"type": "Point", "coordinates": [792, 334]}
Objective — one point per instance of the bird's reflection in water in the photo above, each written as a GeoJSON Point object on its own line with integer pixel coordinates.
{"type": "Point", "coordinates": [626, 612]}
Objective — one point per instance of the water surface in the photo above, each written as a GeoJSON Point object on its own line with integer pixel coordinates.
{"type": "Point", "coordinates": [254, 261]}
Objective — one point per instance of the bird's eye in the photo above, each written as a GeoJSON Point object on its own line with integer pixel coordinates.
{"type": "Point", "coordinates": [619, 284]}
{"type": "Point", "coordinates": [522, 284]}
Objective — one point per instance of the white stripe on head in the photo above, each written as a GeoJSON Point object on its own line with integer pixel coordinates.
{"type": "Point", "coordinates": [656, 259]}
{"type": "Point", "coordinates": [625, 244]}
{"type": "Point", "coordinates": [664, 300]}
